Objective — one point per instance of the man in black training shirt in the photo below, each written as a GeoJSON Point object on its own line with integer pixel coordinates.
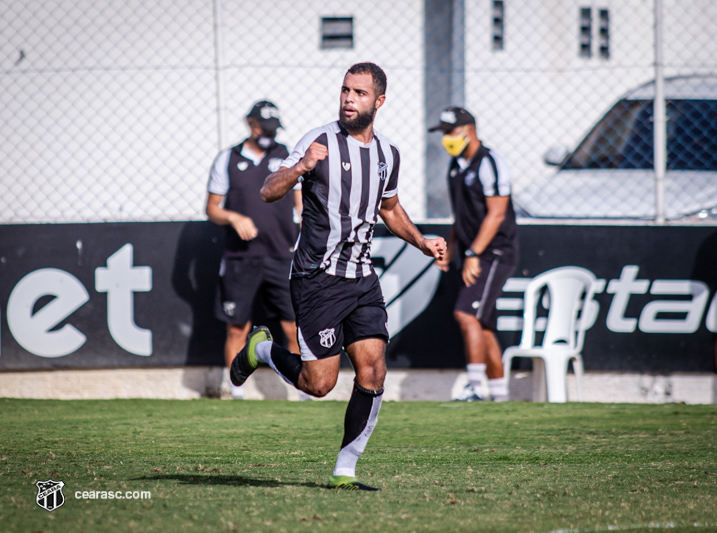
{"type": "Point", "coordinates": [259, 236]}
{"type": "Point", "coordinates": [349, 175]}
{"type": "Point", "coordinates": [485, 236]}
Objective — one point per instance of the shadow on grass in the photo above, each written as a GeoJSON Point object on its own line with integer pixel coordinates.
{"type": "Point", "coordinates": [236, 481]}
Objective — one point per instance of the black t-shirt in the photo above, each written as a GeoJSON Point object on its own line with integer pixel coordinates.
{"type": "Point", "coordinates": [487, 174]}
{"type": "Point", "coordinates": [276, 230]}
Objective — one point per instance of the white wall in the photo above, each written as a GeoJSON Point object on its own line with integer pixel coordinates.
{"type": "Point", "coordinates": [109, 110]}
{"type": "Point", "coordinates": [110, 114]}
{"type": "Point", "coordinates": [279, 58]}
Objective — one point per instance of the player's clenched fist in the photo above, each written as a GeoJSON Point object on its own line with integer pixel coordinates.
{"type": "Point", "coordinates": [316, 152]}
{"type": "Point", "coordinates": [435, 248]}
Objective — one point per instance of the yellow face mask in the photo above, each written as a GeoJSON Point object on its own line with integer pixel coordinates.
{"type": "Point", "coordinates": [455, 144]}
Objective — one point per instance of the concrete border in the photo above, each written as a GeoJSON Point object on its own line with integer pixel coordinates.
{"type": "Point", "coordinates": [401, 385]}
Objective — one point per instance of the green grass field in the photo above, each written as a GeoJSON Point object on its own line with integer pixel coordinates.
{"type": "Point", "coordinates": [214, 465]}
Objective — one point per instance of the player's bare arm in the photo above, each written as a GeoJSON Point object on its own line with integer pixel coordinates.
{"type": "Point", "coordinates": [278, 184]}
{"type": "Point", "coordinates": [243, 225]}
{"type": "Point", "coordinates": [397, 221]}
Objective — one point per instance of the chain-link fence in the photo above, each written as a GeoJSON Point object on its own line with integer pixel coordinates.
{"type": "Point", "coordinates": [114, 110]}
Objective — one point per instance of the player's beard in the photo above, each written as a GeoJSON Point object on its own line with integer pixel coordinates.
{"type": "Point", "coordinates": [358, 123]}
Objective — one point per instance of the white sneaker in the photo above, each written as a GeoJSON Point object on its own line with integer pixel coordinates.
{"type": "Point", "coordinates": [469, 394]}
{"type": "Point", "coordinates": [498, 390]}
{"type": "Point", "coordinates": [237, 392]}
{"type": "Point", "coordinates": [228, 390]}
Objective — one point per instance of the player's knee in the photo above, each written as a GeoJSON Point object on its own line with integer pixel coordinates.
{"type": "Point", "coordinates": [319, 390]}
{"type": "Point", "coordinates": [372, 377]}
{"type": "Point", "coordinates": [319, 387]}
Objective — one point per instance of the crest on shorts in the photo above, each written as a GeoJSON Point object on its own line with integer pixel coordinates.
{"type": "Point", "coordinates": [229, 308]}
{"type": "Point", "coordinates": [382, 171]}
{"type": "Point", "coordinates": [328, 338]}
{"type": "Point", "coordinates": [49, 494]}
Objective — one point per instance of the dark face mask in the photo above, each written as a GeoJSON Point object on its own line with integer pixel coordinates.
{"type": "Point", "coordinates": [265, 140]}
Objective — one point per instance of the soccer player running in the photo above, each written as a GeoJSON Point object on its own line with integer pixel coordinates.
{"type": "Point", "coordinates": [349, 175]}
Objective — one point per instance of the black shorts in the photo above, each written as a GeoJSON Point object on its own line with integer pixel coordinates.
{"type": "Point", "coordinates": [242, 281]}
{"type": "Point", "coordinates": [479, 299]}
{"type": "Point", "coordinates": [334, 312]}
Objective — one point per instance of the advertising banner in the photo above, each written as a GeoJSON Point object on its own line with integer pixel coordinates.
{"type": "Point", "coordinates": [120, 295]}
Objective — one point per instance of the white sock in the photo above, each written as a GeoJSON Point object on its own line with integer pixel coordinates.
{"type": "Point", "coordinates": [498, 388]}
{"type": "Point", "coordinates": [263, 352]}
{"type": "Point", "coordinates": [263, 355]}
{"type": "Point", "coordinates": [350, 452]}
{"type": "Point", "coordinates": [476, 374]}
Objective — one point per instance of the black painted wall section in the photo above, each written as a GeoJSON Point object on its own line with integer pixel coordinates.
{"type": "Point", "coordinates": [184, 259]}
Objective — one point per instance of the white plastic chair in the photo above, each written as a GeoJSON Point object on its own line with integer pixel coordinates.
{"type": "Point", "coordinates": [568, 315]}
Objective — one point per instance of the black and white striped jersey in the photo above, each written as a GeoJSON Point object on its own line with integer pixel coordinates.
{"type": "Point", "coordinates": [342, 197]}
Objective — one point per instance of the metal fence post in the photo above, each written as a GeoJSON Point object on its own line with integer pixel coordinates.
{"type": "Point", "coordinates": [458, 81]}
{"type": "Point", "coordinates": [219, 73]}
{"type": "Point", "coordinates": [660, 121]}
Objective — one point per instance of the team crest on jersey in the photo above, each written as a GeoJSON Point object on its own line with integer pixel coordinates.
{"type": "Point", "coordinates": [275, 164]}
{"type": "Point", "coordinates": [346, 166]}
{"type": "Point", "coordinates": [328, 338]}
{"type": "Point", "coordinates": [454, 172]}
{"type": "Point", "coordinates": [470, 178]}
{"type": "Point", "coordinates": [49, 494]}
{"type": "Point", "coordinates": [382, 171]}
{"type": "Point", "coordinates": [242, 165]}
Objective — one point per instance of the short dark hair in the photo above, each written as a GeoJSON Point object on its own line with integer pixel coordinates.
{"type": "Point", "coordinates": [377, 73]}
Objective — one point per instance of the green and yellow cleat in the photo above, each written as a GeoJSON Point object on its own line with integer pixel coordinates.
{"type": "Point", "coordinates": [245, 362]}
{"type": "Point", "coordinates": [348, 483]}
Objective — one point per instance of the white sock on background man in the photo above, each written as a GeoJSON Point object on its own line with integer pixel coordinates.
{"type": "Point", "coordinates": [477, 377]}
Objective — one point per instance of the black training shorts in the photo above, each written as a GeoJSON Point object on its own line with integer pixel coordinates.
{"type": "Point", "coordinates": [479, 299]}
{"type": "Point", "coordinates": [242, 281]}
{"type": "Point", "coordinates": [334, 312]}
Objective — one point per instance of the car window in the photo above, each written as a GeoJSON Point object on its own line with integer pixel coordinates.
{"type": "Point", "coordinates": [692, 135]}
{"type": "Point", "coordinates": [623, 138]}
{"type": "Point", "coordinates": [620, 133]}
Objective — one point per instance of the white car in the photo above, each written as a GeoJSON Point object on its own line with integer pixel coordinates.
{"type": "Point", "coordinates": [611, 173]}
